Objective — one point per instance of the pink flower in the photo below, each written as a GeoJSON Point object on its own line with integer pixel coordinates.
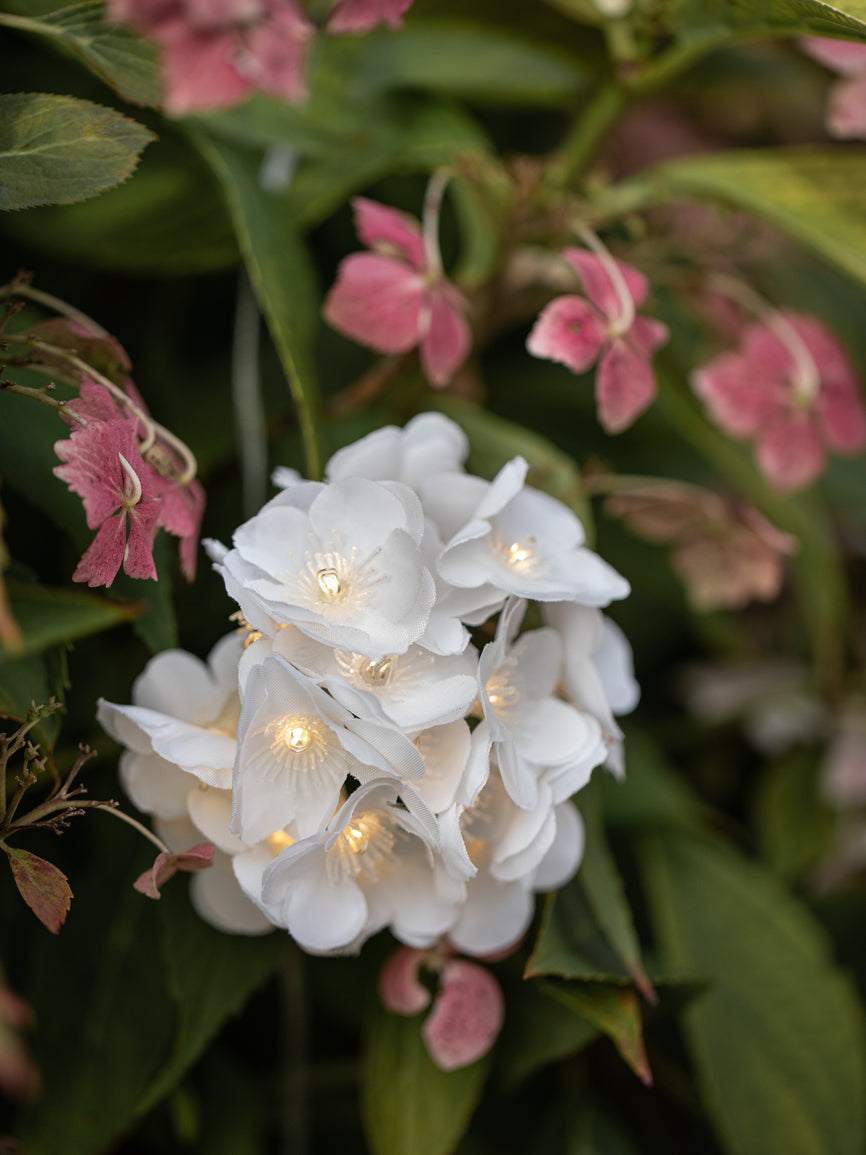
{"type": "Point", "coordinates": [167, 865]}
{"type": "Point", "coordinates": [361, 15]}
{"type": "Point", "coordinates": [468, 1009]}
{"type": "Point", "coordinates": [726, 553]}
{"type": "Point", "coordinates": [846, 111]}
{"type": "Point", "coordinates": [396, 297]}
{"type": "Point", "coordinates": [215, 52]}
{"type": "Point", "coordinates": [606, 329]}
{"type": "Point", "coordinates": [791, 388]}
{"type": "Point", "coordinates": [181, 503]}
{"type": "Point", "coordinates": [104, 467]}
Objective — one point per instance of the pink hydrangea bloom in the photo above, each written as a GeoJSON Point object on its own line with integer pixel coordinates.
{"type": "Point", "coordinates": [396, 296]}
{"type": "Point", "coordinates": [215, 52]}
{"type": "Point", "coordinates": [361, 15]}
{"type": "Point", "coordinates": [468, 1008]}
{"type": "Point", "coordinates": [790, 388]}
{"type": "Point", "coordinates": [846, 110]}
{"type": "Point", "coordinates": [606, 329]}
{"type": "Point", "coordinates": [103, 466]}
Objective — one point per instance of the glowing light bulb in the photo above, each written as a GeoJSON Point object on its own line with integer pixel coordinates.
{"type": "Point", "coordinates": [298, 738]}
{"type": "Point", "coordinates": [329, 582]}
{"type": "Point", "coordinates": [520, 551]}
{"type": "Point", "coordinates": [278, 841]}
{"type": "Point", "coordinates": [379, 671]}
{"type": "Point", "coordinates": [357, 838]}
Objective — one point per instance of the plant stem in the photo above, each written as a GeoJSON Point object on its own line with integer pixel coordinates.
{"type": "Point", "coordinates": [130, 821]}
{"type": "Point", "coordinates": [14, 289]}
{"type": "Point", "coordinates": [588, 131]}
{"type": "Point", "coordinates": [41, 395]}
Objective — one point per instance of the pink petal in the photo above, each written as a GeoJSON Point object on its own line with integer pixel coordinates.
{"type": "Point", "coordinates": [104, 556]}
{"type": "Point", "coordinates": [467, 1015]}
{"type": "Point", "coordinates": [199, 72]}
{"type": "Point", "coordinates": [740, 398]}
{"type": "Point", "coordinates": [166, 865]}
{"type": "Point", "coordinates": [92, 468]}
{"type": "Point", "coordinates": [570, 331]}
{"type": "Point", "coordinates": [600, 288]}
{"type": "Point", "coordinates": [144, 15]}
{"type": "Point", "coordinates": [376, 301]}
{"type": "Point", "coordinates": [448, 340]}
{"type": "Point", "coordinates": [646, 335]}
{"type": "Point", "coordinates": [399, 988]}
{"type": "Point", "coordinates": [143, 521]}
{"type": "Point", "coordinates": [843, 56]}
{"type": "Point", "coordinates": [94, 403]}
{"type": "Point", "coordinates": [276, 52]}
{"type": "Point", "coordinates": [846, 110]}
{"type": "Point", "coordinates": [378, 224]}
{"type": "Point", "coordinates": [624, 386]}
{"type": "Point", "coordinates": [361, 15]}
{"type": "Point", "coordinates": [790, 452]}
{"type": "Point", "coordinates": [213, 13]}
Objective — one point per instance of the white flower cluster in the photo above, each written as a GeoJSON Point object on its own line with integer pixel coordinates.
{"type": "Point", "coordinates": [326, 749]}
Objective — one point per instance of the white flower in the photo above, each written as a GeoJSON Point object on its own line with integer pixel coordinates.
{"type": "Point", "coordinates": [296, 747]}
{"type": "Point", "coordinates": [371, 867]}
{"type": "Point", "coordinates": [598, 675]}
{"type": "Point", "coordinates": [429, 445]}
{"type": "Point", "coordinates": [533, 733]}
{"type": "Point", "coordinates": [516, 539]}
{"type": "Point", "coordinates": [342, 562]}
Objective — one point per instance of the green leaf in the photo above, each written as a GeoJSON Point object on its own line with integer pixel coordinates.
{"type": "Point", "coordinates": [652, 795]}
{"type": "Point", "coordinates": [743, 18]}
{"type": "Point", "coordinates": [615, 1011]}
{"type": "Point", "coordinates": [537, 1033]}
{"type": "Point", "coordinates": [600, 879]}
{"type": "Point", "coordinates": [812, 193]}
{"type": "Point", "coordinates": [474, 61]}
{"type": "Point", "coordinates": [409, 1106]}
{"type": "Point", "coordinates": [48, 617]}
{"type": "Point", "coordinates": [43, 887]}
{"type": "Point", "coordinates": [494, 441]}
{"type": "Point", "coordinates": [59, 149]}
{"type": "Point", "coordinates": [206, 995]}
{"type": "Point", "coordinates": [570, 943]}
{"type": "Point", "coordinates": [281, 273]}
{"type": "Point", "coordinates": [170, 219]}
{"type": "Point", "coordinates": [778, 1041]}
{"type": "Point", "coordinates": [116, 55]}
{"type": "Point", "coordinates": [792, 825]}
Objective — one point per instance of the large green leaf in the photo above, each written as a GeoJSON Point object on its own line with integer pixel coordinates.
{"type": "Point", "coordinates": [571, 944]}
{"type": "Point", "coordinates": [614, 1010]}
{"type": "Point", "coordinates": [793, 824]}
{"type": "Point", "coordinates": [114, 53]}
{"type": "Point", "coordinates": [778, 1040]}
{"type": "Point", "coordinates": [280, 271]}
{"type": "Point", "coordinates": [409, 1106]}
{"type": "Point", "coordinates": [59, 149]}
{"type": "Point", "coordinates": [170, 219]}
{"type": "Point", "coordinates": [48, 617]}
{"type": "Point", "coordinates": [744, 18]}
{"type": "Point", "coordinates": [812, 193]}
{"type": "Point", "coordinates": [475, 61]}
{"type": "Point", "coordinates": [206, 996]}
{"type": "Point", "coordinates": [537, 1033]}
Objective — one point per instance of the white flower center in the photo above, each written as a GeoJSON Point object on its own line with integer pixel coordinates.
{"type": "Point", "coordinates": [520, 556]}
{"type": "Point", "coordinates": [298, 742]}
{"type": "Point", "coordinates": [364, 845]}
{"type": "Point", "coordinates": [336, 584]}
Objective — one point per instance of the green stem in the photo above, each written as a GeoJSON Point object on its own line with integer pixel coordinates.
{"type": "Point", "coordinates": [148, 834]}
{"type": "Point", "coordinates": [14, 289]}
{"type": "Point", "coordinates": [674, 61]}
{"type": "Point", "coordinates": [588, 131]}
{"type": "Point", "coordinates": [41, 395]}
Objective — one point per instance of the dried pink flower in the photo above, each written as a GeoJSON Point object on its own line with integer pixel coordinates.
{"type": "Point", "coordinates": [167, 865]}
{"type": "Point", "coordinates": [791, 388]}
{"type": "Point", "coordinates": [727, 554]}
{"type": "Point", "coordinates": [103, 466]}
{"type": "Point", "coordinates": [362, 15]}
{"type": "Point", "coordinates": [215, 52]}
{"type": "Point", "coordinates": [397, 297]}
{"type": "Point", "coordinates": [468, 1008]}
{"type": "Point", "coordinates": [606, 329]}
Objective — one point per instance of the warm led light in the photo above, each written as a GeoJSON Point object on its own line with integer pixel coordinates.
{"type": "Point", "coordinates": [329, 582]}
{"type": "Point", "coordinates": [379, 672]}
{"type": "Point", "coordinates": [357, 837]}
{"type": "Point", "coordinates": [299, 738]}
{"type": "Point", "coordinates": [292, 733]}
{"type": "Point", "coordinates": [501, 693]}
{"type": "Point", "coordinates": [520, 551]}
{"type": "Point", "coordinates": [278, 841]}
